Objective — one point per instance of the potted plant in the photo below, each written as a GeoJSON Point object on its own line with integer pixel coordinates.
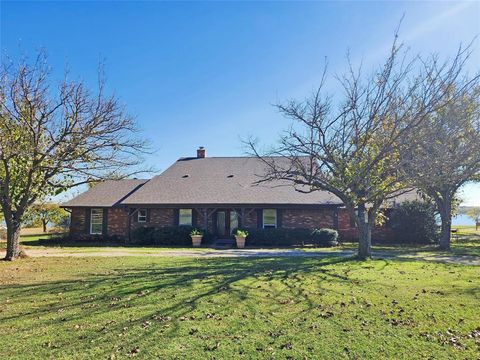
{"type": "Point", "coordinates": [240, 236]}
{"type": "Point", "coordinates": [196, 236]}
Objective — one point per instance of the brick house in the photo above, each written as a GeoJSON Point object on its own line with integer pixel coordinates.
{"type": "Point", "coordinates": [214, 193]}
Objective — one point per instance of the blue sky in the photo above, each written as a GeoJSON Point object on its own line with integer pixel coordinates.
{"type": "Point", "coordinates": [197, 73]}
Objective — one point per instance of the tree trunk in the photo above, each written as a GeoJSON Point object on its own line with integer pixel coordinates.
{"type": "Point", "coordinates": [44, 225]}
{"type": "Point", "coordinates": [446, 215]}
{"type": "Point", "coordinates": [13, 240]}
{"type": "Point", "coordinates": [365, 234]}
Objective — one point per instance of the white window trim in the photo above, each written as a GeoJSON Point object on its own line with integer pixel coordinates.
{"type": "Point", "coordinates": [270, 225]}
{"type": "Point", "coordinates": [91, 222]}
{"type": "Point", "coordinates": [144, 217]}
{"type": "Point", "coordinates": [180, 217]}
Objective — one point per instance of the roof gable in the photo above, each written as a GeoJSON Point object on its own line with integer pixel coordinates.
{"type": "Point", "coordinates": [106, 194]}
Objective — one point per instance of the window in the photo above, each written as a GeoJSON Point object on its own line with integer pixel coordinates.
{"type": "Point", "coordinates": [269, 218]}
{"type": "Point", "coordinates": [185, 217]}
{"type": "Point", "coordinates": [96, 221]}
{"type": "Point", "coordinates": [142, 215]}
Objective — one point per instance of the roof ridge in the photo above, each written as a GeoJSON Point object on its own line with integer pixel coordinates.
{"type": "Point", "coordinates": [103, 181]}
{"type": "Point", "coordinates": [236, 157]}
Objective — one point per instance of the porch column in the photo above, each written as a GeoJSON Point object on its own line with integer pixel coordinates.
{"type": "Point", "coordinates": [205, 219]}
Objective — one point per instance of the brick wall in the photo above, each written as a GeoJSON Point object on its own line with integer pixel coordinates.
{"type": "Point", "coordinates": [162, 217]}
{"type": "Point", "coordinates": [198, 220]}
{"type": "Point", "coordinates": [350, 233]}
{"type": "Point", "coordinates": [158, 218]}
{"type": "Point", "coordinates": [117, 222]}
{"type": "Point", "coordinates": [291, 218]}
{"type": "Point", "coordinates": [77, 222]}
{"type": "Point", "coordinates": [307, 218]}
{"type": "Point", "coordinates": [250, 220]}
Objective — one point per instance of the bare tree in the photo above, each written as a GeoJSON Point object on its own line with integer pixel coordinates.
{"type": "Point", "coordinates": [54, 138]}
{"type": "Point", "coordinates": [444, 153]}
{"type": "Point", "coordinates": [352, 151]}
{"type": "Point", "coordinates": [114, 175]}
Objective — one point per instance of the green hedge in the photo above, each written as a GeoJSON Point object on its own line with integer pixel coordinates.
{"type": "Point", "coordinates": [83, 239]}
{"type": "Point", "coordinates": [414, 222]}
{"type": "Point", "coordinates": [169, 236]}
{"type": "Point", "coordinates": [291, 237]}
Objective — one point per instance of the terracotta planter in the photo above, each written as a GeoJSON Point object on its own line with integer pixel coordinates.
{"type": "Point", "coordinates": [240, 241]}
{"type": "Point", "coordinates": [196, 240]}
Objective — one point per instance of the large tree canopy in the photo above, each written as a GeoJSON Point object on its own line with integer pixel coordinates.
{"type": "Point", "coordinates": [55, 137]}
{"type": "Point", "coordinates": [444, 153]}
{"type": "Point", "coordinates": [352, 150]}
{"type": "Point", "coordinates": [44, 214]}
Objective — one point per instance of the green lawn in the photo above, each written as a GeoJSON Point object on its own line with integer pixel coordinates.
{"type": "Point", "coordinates": [466, 242]}
{"type": "Point", "coordinates": [289, 308]}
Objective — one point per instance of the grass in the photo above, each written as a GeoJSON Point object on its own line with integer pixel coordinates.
{"type": "Point", "coordinates": [465, 242]}
{"type": "Point", "coordinates": [289, 308]}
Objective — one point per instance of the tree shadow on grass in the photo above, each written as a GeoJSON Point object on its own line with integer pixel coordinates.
{"type": "Point", "coordinates": [182, 286]}
{"type": "Point", "coordinates": [159, 297]}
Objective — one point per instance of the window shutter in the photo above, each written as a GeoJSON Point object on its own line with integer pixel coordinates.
{"type": "Point", "coordinates": [260, 218]}
{"type": "Point", "coordinates": [194, 218]}
{"type": "Point", "coordinates": [352, 222]}
{"type": "Point", "coordinates": [176, 215]}
{"type": "Point", "coordinates": [105, 222]}
{"type": "Point", "coordinates": [279, 218]}
{"type": "Point", "coordinates": [148, 215]}
{"type": "Point", "coordinates": [335, 219]}
{"type": "Point", "coordinates": [87, 220]}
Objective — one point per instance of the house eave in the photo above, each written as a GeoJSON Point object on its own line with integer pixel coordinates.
{"type": "Point", "coordinates": [233, 205]}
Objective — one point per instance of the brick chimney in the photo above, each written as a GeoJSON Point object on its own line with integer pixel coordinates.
{"type": "Point", "coordinates": [201, 152]}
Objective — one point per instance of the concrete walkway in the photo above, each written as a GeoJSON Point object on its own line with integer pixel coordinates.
{"type": "Point", "coordinates": [212, 253]}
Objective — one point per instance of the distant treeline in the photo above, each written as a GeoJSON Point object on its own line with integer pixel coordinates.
{"type": "Point", "coordinates": [463, 210]}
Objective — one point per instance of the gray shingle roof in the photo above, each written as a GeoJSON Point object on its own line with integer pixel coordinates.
{"type": "Point", "coordinates": [221, 180]}
{"type": "Point", "coordinates": [106, 194]}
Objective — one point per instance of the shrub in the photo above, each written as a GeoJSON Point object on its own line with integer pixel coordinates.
{"type": "Point", "coordinates": [196, 232]}
{"type": "Point", "coordinates": [91, 240]}
{"type": "Point", "coordinates": [166, 236]}
{"type": "Point", "coordinates": [414, 222]}
{"type": "Point", "coordinates": [143, 235]}
{"type": "Point", "coordinates": [325, 237]}
{"type": "Point", "coordinates": [267, 237]}
{"type": "Point", "coordinates": [284, 237]}
{"type": "Point", "coordinates": [241, 233]}
{"type": "Point", "coordinates": [300, 236]}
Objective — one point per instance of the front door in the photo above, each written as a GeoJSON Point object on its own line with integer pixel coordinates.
{"type": "Point", "coordinates": [222, 223]}
{"type": "Point", "coordinates": [227, 222]}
